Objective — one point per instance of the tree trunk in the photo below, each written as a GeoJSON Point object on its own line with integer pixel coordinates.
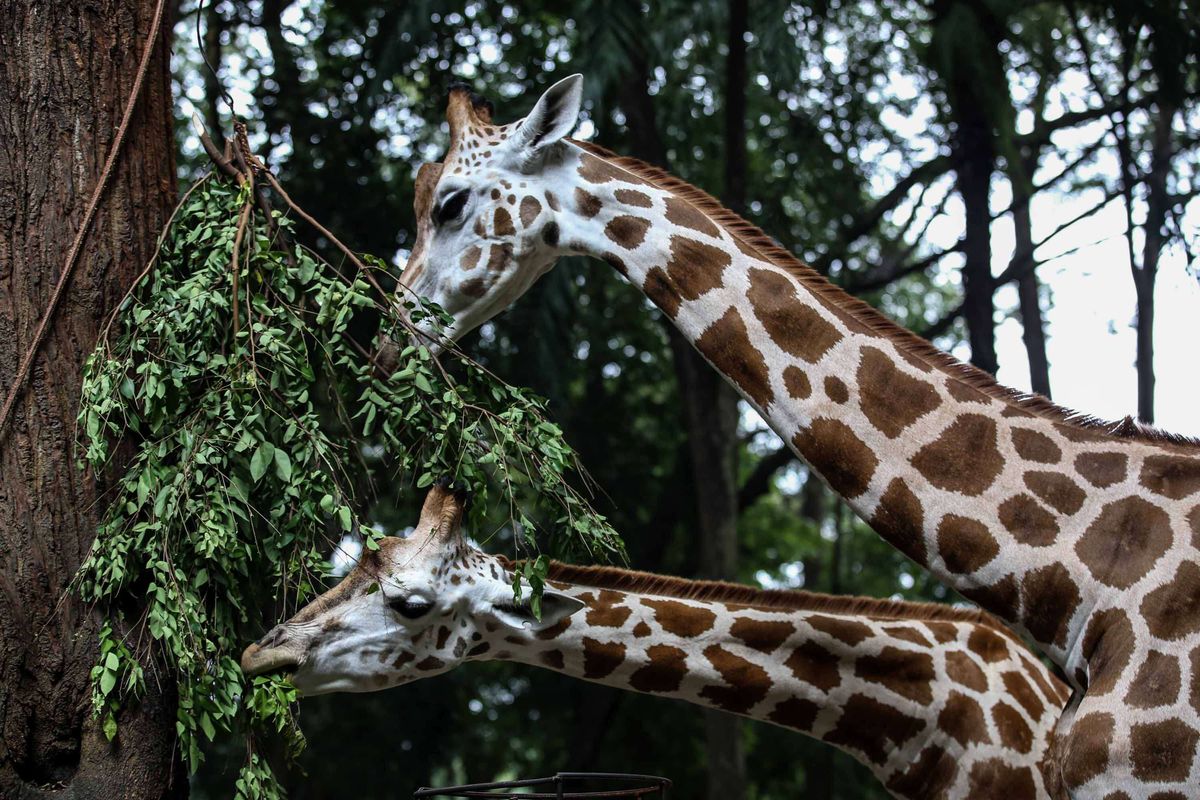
{"type": "Point", "coordinates": [66, 74]}
{"type": "Point", "coordinates": [975, 159]}
{"type": "Point", "coordinates": [1144, 277]}
{"type": "Point", "coordinates": [711, 416]}
{"type": "Point", "coordinates": [1028, 289]}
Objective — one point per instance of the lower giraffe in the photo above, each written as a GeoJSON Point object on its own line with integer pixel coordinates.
{"type": "Point", "coordinates": [938, 702]}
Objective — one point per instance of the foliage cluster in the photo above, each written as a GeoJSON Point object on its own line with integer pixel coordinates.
{"type": "Point", "coordinates": [253, 446]}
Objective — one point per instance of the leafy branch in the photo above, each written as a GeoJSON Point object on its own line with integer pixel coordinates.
{"type": "Point", "coordinates": [233, 378]}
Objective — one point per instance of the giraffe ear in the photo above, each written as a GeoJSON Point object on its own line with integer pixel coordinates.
{"type": "Point", "coordinates": [555, 607]}
{"type": "Point", "coordinates": [552, 118]}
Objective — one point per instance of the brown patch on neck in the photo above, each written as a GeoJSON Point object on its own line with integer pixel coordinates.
{"type": "Point", "coordinates": [753, 241]}
{"type": "Point", "coordinates": [646, 583]}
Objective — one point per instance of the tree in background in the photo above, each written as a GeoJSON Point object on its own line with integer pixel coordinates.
{"type": "Point", "coordinates": [854, 134]}
{"type": "Point", "coordinates": [64, 84]}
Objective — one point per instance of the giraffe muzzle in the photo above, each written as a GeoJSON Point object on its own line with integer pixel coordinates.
{"type": "Point", "coordinates": [275, 651]}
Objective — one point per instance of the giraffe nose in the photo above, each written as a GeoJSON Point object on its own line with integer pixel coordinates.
{"type": "Point", "coordinates": [273, 638]}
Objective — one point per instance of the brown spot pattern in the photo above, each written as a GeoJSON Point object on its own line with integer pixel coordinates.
{"type": "Point", "coordinates": [796, 327]}
{"type": "Point", "coordinates": [994, 778]}
{"type": "Point", "coordinates": [748, 682]}
{"type": "Point", "coordinates": [1034, 446]}
{"type": "Point", "coordinates": [907, 633]}
{"type": "Point", "coordinates": [836, 389]}
{"type": "Point", "coordinates": [632, 197]}
{"type": "Point", "coordinates": [695, 268]}
{"type": "Point", "coordinates": [763, 635]}
{"type": "Point", "coordinates": [812, 663]}
{"type": "Point", "coordinates": [470, 258]}
{"type": "Point", "coordinates": [1102, 469]}
{"type": "Point", "coordinates": [503, 224]}
{"type": "Point", "coordinates": [1050, 597]}
{"type": "Point", "coordinates": [873, 728]}
{"type": "Point", "coordinates": [553, 659]}
{"type": "Point", "coordinates": [904, 672]}
{"type": "Point", "coordinates": [1086, 751]}
{"type": "Point", "coordinates": [1001, 597]}
{"type": "Point", "coordinates": [929, 776]}
{"type": "Point", "coordinates": [1058, 491]}
{"type": "Point", "coordinates": [601, 658]}
{"type": "Point", "coordinates": [1020, 690]}
{"type": "Point", "coordinates": [663, 673]}
{"type": "Point", "coordinates": [727, 346]}
{"type": "Point", "coordinates": [680, 619]}
{"type": "Point", "coordinates": [530, 208]}
{"type": "Point", "coordinates": [1172, 611]}
{"type": "Point", "coordinates": [499, 256]}
{"type": "Point", "coordinates": [796, 382]}
{"type": "Point", "coordinates": [833, 449]}
{"type": "Point", "coordinates": [1107, 646]}
{"type": "Point", "coordinates": [900, 519]}
{"type": "Point", "coordinates": [963, 670]}
{"type": "Point", "coordinates": [845, 630]}
{"type": "Point", "coordinates": [1014, 731]}
{"type": "Point", "coordinates": [475, 287]}
{"type": "Point", "coordinates": [1028, 522]}
{"type": "Point", "coordinates": [1163, 751]}
{"type": "Point", "coordinates": [1157, 682]}
{"type": "Point", "coordinates": [588, 204]}
{"type": "Point", "coordinates": [686, 215]}
{"type": "Point", "coordinates": [965, 544]}
{"type": "Point", "coordinates": [964, 458]}
{"type": "Point", "coordinates": [1171, 476]}
{"type": "Point", "coordinates": [962, 719]}
{"type": "Point", "coordinates": [890, 398]}
{"type": "Point", "coordinates": [1124, 541]}
{"type": "Point", "coordinates": [627, 231]}
{"type": "Point", "coordinates": [795, 712]}
{"type": "Point", "coordinates": [988, 645]}
{"type": "Point", "coordinates": [658, 288]}
{"type": "Point", "coordinates": [608, 616]}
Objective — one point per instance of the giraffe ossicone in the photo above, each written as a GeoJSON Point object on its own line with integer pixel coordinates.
{"type": "Point", "coordinates": [936, 701]}
{"type": "Point", "coordinates": [1085, 535]}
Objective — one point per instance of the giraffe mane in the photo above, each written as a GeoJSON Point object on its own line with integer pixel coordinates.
{"type": "Point", "coordinates": [968, 374]}
{"type": "Point", "coordinates": [648, 583]}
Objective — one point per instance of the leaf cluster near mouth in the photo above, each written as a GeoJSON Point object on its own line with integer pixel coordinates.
{"type": "Point", "coordinates": [256, 437]}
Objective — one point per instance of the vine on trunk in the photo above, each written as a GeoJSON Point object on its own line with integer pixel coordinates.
{"type": "Point", "coordinates": [254, 418]}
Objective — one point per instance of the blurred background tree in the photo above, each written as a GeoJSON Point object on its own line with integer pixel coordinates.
{"type": "Point", "coordinates": [933, 157]}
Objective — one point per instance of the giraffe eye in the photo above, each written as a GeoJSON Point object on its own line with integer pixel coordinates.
{"type": "Point", "coordinates": [452, 207]}
{"type": "Point", "coordinates": [411, 607]}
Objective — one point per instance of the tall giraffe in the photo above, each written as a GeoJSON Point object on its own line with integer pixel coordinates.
{"type": "Point", "coordinates": [936, 701]}
{"type": "Point", "coordinates": [1082, 534]}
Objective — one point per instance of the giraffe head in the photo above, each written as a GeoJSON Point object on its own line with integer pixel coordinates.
{"type": "Point", "coordinates": [414, 608]}
{"type": "Point", "coordinates": [487, 223]}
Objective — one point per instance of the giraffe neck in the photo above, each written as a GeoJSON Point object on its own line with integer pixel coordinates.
{"type": "Point", "coordinates": [937, 702]}
{"type": "Point", "coordinates": [970, 480]}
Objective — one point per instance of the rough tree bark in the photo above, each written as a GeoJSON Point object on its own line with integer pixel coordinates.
{"type": "Point", "coordinates": [66, 73]}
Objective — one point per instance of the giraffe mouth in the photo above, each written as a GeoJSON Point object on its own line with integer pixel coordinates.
{"type": "Point", "coordinates": [259, 660]}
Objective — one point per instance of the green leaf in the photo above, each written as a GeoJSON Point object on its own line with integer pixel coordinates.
{"type": "Point", "coordinates": [344, 518]}
{"type": "Point", "coordinates": [109, 727]}
{"type": "Point", "coordinates": [283, 465]}
{"type": "Point", "coordinates": [262, 457]}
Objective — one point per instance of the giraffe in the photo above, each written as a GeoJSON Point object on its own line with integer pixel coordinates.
{"type": "Point", "coordinates": [1082, 534]}
{"type": "Point", "coordinates": [936, 701]}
